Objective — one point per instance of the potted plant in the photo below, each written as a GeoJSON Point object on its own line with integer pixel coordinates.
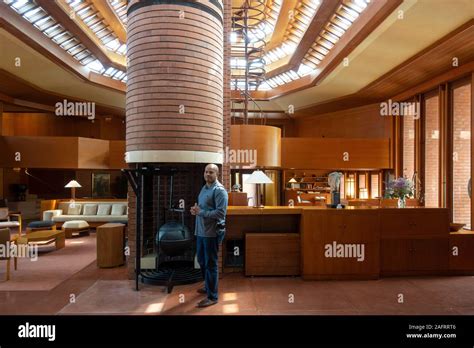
{"type": "Point", "coordinates": [400, 188]}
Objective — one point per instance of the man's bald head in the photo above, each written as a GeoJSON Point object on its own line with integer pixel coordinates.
{"type": "Point", "coordinates": [210, 173]}
{"type": "Point", "coordinates": [213, 167]}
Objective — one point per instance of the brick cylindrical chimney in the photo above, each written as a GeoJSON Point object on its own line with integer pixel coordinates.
{"type": "Point", "coordinates": [174, 81]}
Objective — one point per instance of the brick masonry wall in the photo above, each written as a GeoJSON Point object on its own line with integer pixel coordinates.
{"type": "Point", "coordinates": [461, 154]}
{"type": "Point", "coordinates": [431, 151]}
{"type": "Point", "coordinates": [175, 79]}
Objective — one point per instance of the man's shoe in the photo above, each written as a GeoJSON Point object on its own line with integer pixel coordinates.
{"type": "Point", "coordinates": [206, 303]}
{"type": "Point", "coordinates": [202, 291]}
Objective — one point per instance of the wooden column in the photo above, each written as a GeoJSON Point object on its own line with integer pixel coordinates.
{"type": "Point", "coordinates": [443, 149]}
{"type": "Point", "coordinates": [472, 145]}
{"type": "Point", "coordinates": [421, 143]}
{"type": "Point", "coordinates": [418, 153]}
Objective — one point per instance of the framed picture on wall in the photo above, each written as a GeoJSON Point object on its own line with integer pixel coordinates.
{"type": "Point", "coordinates": [100, 185]}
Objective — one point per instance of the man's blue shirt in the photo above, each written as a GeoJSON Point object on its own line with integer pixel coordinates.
{"type": "Point", "coordinates": [213, 202]}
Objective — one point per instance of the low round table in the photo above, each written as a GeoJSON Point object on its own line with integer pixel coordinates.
{"type": "Point", "coordinates": [75, 227]}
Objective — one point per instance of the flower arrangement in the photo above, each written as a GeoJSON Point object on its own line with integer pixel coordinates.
{"type": "Point", "coordinates": [400, 188]}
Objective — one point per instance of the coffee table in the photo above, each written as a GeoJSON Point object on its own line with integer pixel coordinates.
{"type": "Point", "coordinates": [43, 238]}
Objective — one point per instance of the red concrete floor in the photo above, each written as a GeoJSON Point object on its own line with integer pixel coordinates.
{"type": "Point", "coordinates": [108, 291]}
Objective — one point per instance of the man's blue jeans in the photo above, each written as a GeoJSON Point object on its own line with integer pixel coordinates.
{"type": "Point", "coordinates": [207, 249]}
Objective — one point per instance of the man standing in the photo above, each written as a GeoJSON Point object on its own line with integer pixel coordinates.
{"type": "Point", "coordinates": [210, 214]}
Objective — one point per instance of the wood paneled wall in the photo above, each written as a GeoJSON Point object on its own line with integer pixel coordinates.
{"type": "Point", "coordinates": [361, 122]}
{"type": "Point", "coordinates": [60, 152]}
{"type": "Point", "coordinates": [335, 153]}
{"type": "Point", "coordinates": [264, 140]}
{"type": "Point", "coordinates": [43, 124]}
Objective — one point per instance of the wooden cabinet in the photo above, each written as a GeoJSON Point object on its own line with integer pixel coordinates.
{"type": "Point", "coordinates": [461, 252]}
{"type": "Point", "coordinates": [340, 244]}
{"type": "Point", "coordinates": [272, 254]}
{"type": "Point", "coordinates": [238, 198]}
{"type": "Point", "coordinates": [414, 241]}
{"type": "Point", "coordinates": [413, 256]}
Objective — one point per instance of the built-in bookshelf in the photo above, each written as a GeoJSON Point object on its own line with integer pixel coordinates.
{"type": "Point", "coordinates": [307, 181]}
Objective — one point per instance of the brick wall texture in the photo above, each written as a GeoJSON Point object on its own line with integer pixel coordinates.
{"type": "Point", "coordinates": [174, 93]}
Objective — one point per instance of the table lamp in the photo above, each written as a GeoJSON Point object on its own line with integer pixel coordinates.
{"type": "Point", "coordinates": [258, 177]}
{"type": "Point", "coordinates": [73, 184]}
{"type": "Point", "coordinates": [292, 181]}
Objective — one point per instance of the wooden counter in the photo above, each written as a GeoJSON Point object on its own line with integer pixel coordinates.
{"type": "Point", "coordinates": [351, 243]}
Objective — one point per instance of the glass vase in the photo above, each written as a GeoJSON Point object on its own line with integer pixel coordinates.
{"type": "Point", "coordinates": [402, 203]}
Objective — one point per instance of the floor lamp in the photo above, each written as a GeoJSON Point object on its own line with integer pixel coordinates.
{"type": "Point", "coordinates": [258, 177]}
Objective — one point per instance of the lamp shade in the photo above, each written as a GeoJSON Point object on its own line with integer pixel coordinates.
{"type": "Point", "coordinates": [292, 181]}
{"type": "Point", "coordinates": [73, 183]}
{"type": "Point", "coordinates": [258, 177]}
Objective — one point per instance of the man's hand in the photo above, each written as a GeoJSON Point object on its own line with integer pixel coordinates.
{"type": "Point", "coordinates": [195, 209]}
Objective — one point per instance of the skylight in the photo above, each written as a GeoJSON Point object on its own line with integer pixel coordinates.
{"type": "Point", "coordinates": [94, 20]}
{"type": "Point", "coordinates": [345, 15]}
{"type": "Point", "coordinates": [45, 23]}
{"type": "Point", "coordinates": [120, 8]}
{"type": "Point", "coordinates": [302, 17]}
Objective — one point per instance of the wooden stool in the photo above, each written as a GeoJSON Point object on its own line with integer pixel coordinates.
{"type": "Point", "coordinates": [75, 227]}
{"type": "Point", "coordinates": [110, 245]}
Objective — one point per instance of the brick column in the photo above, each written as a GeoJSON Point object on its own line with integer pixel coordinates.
{"type": "Point", "coordinates": [174, 100]}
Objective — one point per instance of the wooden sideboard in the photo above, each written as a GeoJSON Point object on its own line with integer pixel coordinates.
{"type": "Point", "coordinates": [353, 243]}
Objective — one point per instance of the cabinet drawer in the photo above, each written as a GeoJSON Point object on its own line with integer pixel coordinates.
{"type": "Point", "coordinates": [351, 227]}
{"type": "Point", "coordinates": [412, 222]}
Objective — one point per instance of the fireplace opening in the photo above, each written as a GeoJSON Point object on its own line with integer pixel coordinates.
{"type": "Point", "coordinates": [165, 242]}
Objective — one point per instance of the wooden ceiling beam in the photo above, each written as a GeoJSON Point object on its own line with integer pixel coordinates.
{"type": "Point", "coordinates": [106, 10]}
{"type": "Point", "coordinates": [282, 24]}
{"type": "Point", "coordinates": [57, 10]}
{"type": "Point", "coordinates": [25, 103]}
{"type": "Point", "coordinates": [322, 16]}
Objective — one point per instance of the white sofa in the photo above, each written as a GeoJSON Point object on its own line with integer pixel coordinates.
{"type": "Point", "coordinates": [94, 212]}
